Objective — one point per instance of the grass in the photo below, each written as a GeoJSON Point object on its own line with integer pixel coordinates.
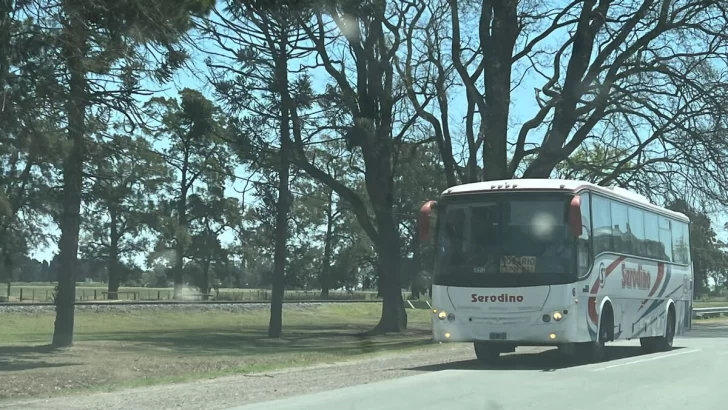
{"type": "Point", "coordinates": [115, 350]}
{"type": "Point", "coordinates": [716, 303]}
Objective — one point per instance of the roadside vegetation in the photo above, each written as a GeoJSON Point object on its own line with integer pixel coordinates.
{"type": "Point", "coordinates": [133, 348]}
{"type": "Point", "coordinates": [243, 149]}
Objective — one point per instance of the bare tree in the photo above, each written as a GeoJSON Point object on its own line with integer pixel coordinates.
{"type": "Point", "coordinates": [252, 76]}
{"type": "Point", "coordinates": [355, 43]}
{"type": "Point", "coordinates": [642, 78]}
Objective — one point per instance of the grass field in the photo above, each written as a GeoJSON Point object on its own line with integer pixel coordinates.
{"type": "Point", "coordinates": [115, 350]}
{"type": "Point", "coordinates": [139, 347]}
{"type": "Point", "coordinates": [713, 303]}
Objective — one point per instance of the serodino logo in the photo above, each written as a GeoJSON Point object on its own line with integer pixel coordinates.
{"type": "Point", "coordinates": [635, 278]}
{"type": "Point", "coordinates": [503, 297]}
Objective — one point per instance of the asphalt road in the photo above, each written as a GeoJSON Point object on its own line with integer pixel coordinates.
{"type": "Point", "coordinates": [692, 375]}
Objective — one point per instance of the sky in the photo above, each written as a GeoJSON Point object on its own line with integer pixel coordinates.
{"type": "Point", "coordinates": [523, 107]}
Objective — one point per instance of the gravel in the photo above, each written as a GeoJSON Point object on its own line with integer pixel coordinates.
{"type": "Point", "coordinates": [231, 391]}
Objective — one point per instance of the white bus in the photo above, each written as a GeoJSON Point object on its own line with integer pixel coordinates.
{"type": "Point", "coordinates": [543, 262]}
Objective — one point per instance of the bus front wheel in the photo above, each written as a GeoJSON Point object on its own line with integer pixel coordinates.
{"type": "Point", "coordinates": [594, 352]}
{"type": "Point", "coordinates": [486, 352]}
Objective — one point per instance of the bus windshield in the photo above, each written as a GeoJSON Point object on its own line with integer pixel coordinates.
{"type": "Point", "coordinates": [504, 239]}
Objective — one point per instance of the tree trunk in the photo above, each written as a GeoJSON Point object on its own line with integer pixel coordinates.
{"type": "Point", "coordinates": [498, 33]}
{"type": "Point", "coordinates": [179, 244]}
{"type": "Point", "coordinates": [8, 268]}
{"type": "Point", "coordinates": [394, 316]}
{"type": "Point", "coordinates": [74, 49]}
{"type": "Point", "coordinates": [275, 325]}
{"type": "Point", "coordinates": [416, 267]}
{"type": "Point", "coordinates": [205, 288]}
{"type": "Point", "coordinates": [113, 291]}
{"type": "Point", "coordinates": [326, 268]}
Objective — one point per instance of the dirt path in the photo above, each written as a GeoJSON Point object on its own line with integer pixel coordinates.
{"type": "Point", "coordinates": [232, 391]}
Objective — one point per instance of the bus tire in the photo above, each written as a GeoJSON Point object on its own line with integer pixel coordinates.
{"type": "Point", "coordinates": [661, 343]}
{"type": "Point", "coordinates": [664, 343]}
{"type": "Point", "coordinates": [486, 352]}
{"type": "Point", "coordinates": [594, 352]}
{"type": "Point", "coordinates": [648, 345]}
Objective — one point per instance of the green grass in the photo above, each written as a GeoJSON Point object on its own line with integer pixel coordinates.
{"type": "Point", "coordinates": [715, 303]}
{"type": "Point", "coordinates": [114, 350]}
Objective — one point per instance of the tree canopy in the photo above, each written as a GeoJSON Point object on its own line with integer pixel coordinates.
{"type": "Point", "coordinates": [290, 144]}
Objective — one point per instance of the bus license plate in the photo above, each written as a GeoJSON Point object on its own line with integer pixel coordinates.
{"type": "Point", "coordinates": [497, 336]}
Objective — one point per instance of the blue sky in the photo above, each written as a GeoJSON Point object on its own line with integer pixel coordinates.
{"type": "Point", "coordinates": [523, 107]}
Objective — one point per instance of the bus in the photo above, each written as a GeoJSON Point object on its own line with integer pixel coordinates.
{"type": "Point", "coordinates": [546, 262]}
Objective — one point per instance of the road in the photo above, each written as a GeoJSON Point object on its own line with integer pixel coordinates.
{"type": "Point", "coordinates": [692, 375]}
{"type": "Point", "coordinates": [447, 377]}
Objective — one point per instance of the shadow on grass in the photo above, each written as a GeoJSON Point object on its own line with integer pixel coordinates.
{"type": "Point", "coordinates": [20, 365]}
{"type": "Point", "coordinates": [546, 361]}
{"type": "Point", "coordinates": [20, 350]}
{"type": "Point", "coordinates": [18, 358]}
{"type": "Point", "coordinates": [252, 341]}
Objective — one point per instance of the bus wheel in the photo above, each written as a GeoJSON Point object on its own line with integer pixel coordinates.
{"type": "Point", "coordinates": [664, 343]}
{"type": "Point", "coordinates": [648, 344]}
{"type": "Point", "coordinates": [661, 343]}
{"type": "Point", "coordinates": [594, 352]}
{"type": "Point", "coordinates": [486, 352]}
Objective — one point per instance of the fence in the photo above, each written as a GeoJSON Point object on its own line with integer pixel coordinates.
{"type": "Point", "coordinates": [84, 293]}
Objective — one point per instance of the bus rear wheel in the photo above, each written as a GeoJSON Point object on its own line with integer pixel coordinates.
{"type": "Point", "coordinates": [486, 353]}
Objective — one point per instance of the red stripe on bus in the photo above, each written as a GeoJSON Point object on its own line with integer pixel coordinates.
{"type": "Point", "coordinates": [660, 275]}
{"type": "Point", "coordinates": [592, 301]}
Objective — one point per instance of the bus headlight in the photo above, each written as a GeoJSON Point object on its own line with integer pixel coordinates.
{"type": "Point", "coordinates": [557, 316]}
{"type": "Point", "coordinates": [451, 317]}
{"type": "Point", "coordinates": [442, 315]}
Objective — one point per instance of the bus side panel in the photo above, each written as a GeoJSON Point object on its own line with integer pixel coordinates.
{"type": "Point", "coordinates": [638, 290]}
{"type": "Point", "coordinates": [685, 320]}
{"type": "Point", "coordinates": [648, 317]}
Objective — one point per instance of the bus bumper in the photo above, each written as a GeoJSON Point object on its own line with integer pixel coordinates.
{"type": "Point", "coordinates": [514, 329]}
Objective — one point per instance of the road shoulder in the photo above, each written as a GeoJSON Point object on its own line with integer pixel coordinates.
{"type": "Point", "coordinates": [236, 390]}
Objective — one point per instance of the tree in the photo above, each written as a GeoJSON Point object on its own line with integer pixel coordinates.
{"type": "Point", "coordinates": [126, 173]}
{"type": "Point", "coordinates": [195, 131]}
{"type": "Point", "coordinates": [103, 49]}
{"type": "Point", "coordinates": [420, 177]}
{"type": "Point", "coordinates": [364, 111]}
{"type": "Point", "coordinates": [211, 213]}
{"type": "Point", "coordinates": [30, 138]}
{"type": "Point", "coordinates": [708, 257]}
{"type": "Point", "coordinates": [260, 85]}
{"type": "Point", "coordinates": [637, 78]}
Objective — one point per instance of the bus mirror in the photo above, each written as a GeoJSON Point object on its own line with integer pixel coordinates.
{"type": "Point", "coordinates": [424, 220]}
{"type": "Point", "coordinates": [575, 225]}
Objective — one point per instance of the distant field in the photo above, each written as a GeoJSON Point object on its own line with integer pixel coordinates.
{"type": "Point", "coordinates": [712, 303]}
{"type": "Point", "coordinates": [42, 292]}
{"type": "Point", "coordinates": [134, 348]}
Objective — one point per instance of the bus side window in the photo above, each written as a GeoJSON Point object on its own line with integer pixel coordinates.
{"type": "Point", "coordinates": [665, 234]}
{"type": "Point", "coordinates": [602, 224]}
{"type": "Point", "coordinates": [583, 244]}
{"type": "Point", "coordinates": [680, 242]}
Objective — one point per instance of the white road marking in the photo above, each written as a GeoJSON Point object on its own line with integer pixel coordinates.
{"type": "Point", "coordinates": [647, 360]}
